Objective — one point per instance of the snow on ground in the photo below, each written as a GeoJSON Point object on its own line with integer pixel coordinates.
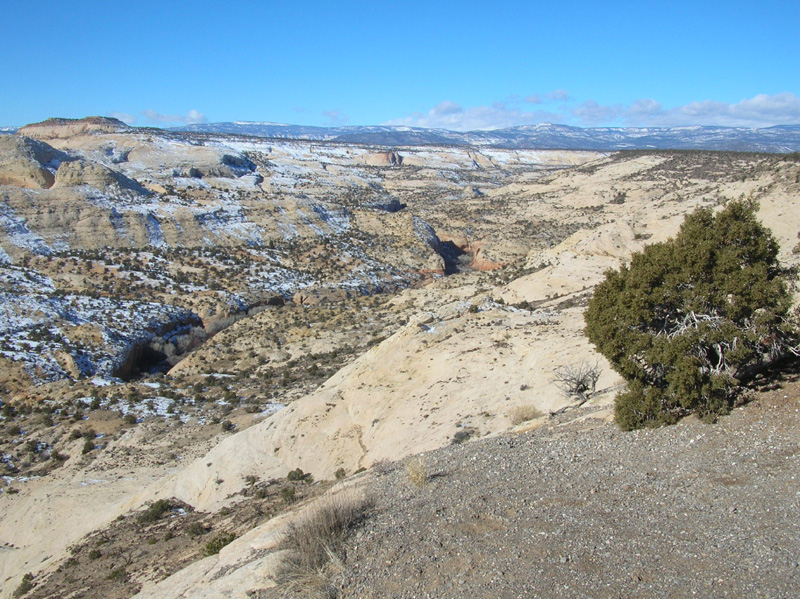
{"type": "Point", "coordinates": [36, 325]}
{"type": "Point", "coordinates": [19, 234]}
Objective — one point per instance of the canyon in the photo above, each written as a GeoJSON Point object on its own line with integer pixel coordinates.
{"type": "Point", "coordinates": [192, 316]}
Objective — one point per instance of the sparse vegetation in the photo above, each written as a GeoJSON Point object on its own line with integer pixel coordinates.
{"type": "Point", "coordinates": [118, 575]}
{"type": "Point", "coordinates": [314, 542]}
{"type": "Point", "coordinates": [282, 310]}
{"type": "Point", "coordinates": [154, 511]}
{"type": "Point", "coordinates": [577, 379]}
{"type": "Point", "coordinates": [523, 413]}
{"type": "Point", "coordinates": [24, 586]}
{"type": "Point", "coordinates": [417, 471]}
{"type": "Point", "coordinates": [217, 543]}
{"type": "Point", "coordinates": [197, 529]}
{"type": "Point", "coordinates": [288, 493]}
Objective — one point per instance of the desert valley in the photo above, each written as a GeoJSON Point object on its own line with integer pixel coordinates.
{"type": "Point", "coordinates": [205, 336]}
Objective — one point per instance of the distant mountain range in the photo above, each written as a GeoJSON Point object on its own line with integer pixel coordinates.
{"type": "Point", "coordinates": [545, 136]}
{"type": "Point", "coordinates": [783, 138]}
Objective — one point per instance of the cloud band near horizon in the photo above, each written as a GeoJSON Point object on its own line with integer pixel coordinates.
{"type": "Point", "coordinates": [153, 117]}
{"type": "Point", "coordinates": [762, 110]}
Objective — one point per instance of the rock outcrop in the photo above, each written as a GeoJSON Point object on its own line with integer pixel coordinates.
{"type": "Point", "coordinates": [82, 172]}
{"type": "Point", "coordinates": [59, 128]}
{"type": "Point", "coordinates": [384, 159]}
{"type": "Point", "coordinates": [26, 162]}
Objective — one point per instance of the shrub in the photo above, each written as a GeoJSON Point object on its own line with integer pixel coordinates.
{"type": "Point", "coordinates": [461, 436]}
{"type": "Point", "coordinates": [288, 493]}
{"type": "Point", "coordinates": [88, 445]}
{"type": "Point", "coordinates": [417, 471]}
{"type": "Point", "coordinates": [217, 543]}
{"type": "Point", "coordinates": [579, 379]}
{"type": "Point", "coordinates": [154, 511]}
{"type": "Point", "coordinates": [296, 474]}
{"type": "Point", "coordinates": [692, 318]}
{"type": "Point", "coordinates": [316, 539]}
{"type": "Point", "coordinates": [25, 586]}
{"type": "Point", "coordinates": [523, 413]}
{"type": "Point", "coordinates": [118, 575]}
{"type": "Point", "coordinates": [196, 529]}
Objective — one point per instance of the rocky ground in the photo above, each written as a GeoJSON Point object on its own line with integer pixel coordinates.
{"type": "Point", "coordinates": [580, 509]}
{"type": "Point", "coordinates": [568, 506]}
{"type": "Point", "coordinates": [155, 542]}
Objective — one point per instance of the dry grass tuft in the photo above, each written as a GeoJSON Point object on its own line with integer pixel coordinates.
{"type": "Point", "coordinates": [314, 544]}
{"type": "Point", "coordinates": [523, 413]}
{"type": "Point", "coordinates": [417, 471]}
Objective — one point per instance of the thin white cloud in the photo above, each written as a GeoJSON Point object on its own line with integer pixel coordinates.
{"type": "Point", "coordinates": [446, 108]}
{"type": "Point", "coordinates": [592, 114]}
{"type": "Point", "coordinates": [450, 115]}
{"type": "Point", "coordinates": [559, 95]}
{"type": "Point", "coordinates": [335, 117]}
{"type": "Point", "coordinates": [128, 119]}
{"type": "Point", "coordinates": [192, 117]}
{"type": "Point", "coordinates": [762, 110]}
{"type": "Point", "coordinates": [644, 109]}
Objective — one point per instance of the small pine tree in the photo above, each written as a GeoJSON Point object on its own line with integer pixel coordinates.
{"type": "Point", "coordinates": [692, 318]}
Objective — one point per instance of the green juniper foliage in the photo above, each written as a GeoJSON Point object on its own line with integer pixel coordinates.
{"type": "Point", "coordinates": [693, 317]}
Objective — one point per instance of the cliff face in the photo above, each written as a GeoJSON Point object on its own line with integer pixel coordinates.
{"type": "Point", "coordinates": [384, 159]}
{"type": "Point", "coordinates": [57, 128]}
{"type": "Point", "coordinates": [28, 163]}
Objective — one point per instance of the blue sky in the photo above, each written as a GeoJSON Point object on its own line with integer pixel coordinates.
{"type": "Point", "coordinates": [459, 65]}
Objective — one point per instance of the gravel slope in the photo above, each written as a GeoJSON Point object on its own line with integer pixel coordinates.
{"type": "Point", "coordinates": [581, 509]}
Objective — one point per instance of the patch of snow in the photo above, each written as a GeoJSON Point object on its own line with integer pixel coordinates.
{"type": "Point", "coordinates": [271, 409]}
{"type": "Point", "coordinates": [101, 382]}
{"type": "Point", "coordinates": [18, 233]}
{"type": "Point", "coordinates": [154, 232]}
